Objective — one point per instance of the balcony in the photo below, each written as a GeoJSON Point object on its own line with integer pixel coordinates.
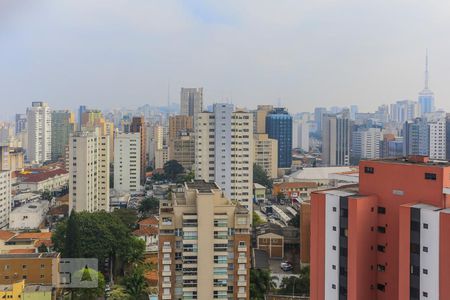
{"type": "Point", "coordinates": [166, 262]}
{"type": "Point", "coordinates": [166, 273]}
{"type": "Point", "coordinates": [166, 296]}
{"type": "Point", "coordinates": [242, 260]}
{"type": "Point", "coordinates": [166, 249]}
{"type": "Point", "coordinates": [242, 248]}
{"type": "Point", "coordinates": [166, 284]}
{"type": "Point", "coordinates": [242, 295]}
{"type": "Point", "coordinates": [242, 272]}
{"type": "Point", "coordinates": [242, 283]}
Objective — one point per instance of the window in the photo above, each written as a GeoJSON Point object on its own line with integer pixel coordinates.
{"type": "Point", "coordinates": [430, 176]}
{"type": "Point", "coordinates": [333, 286]}
{"type": "Point", "coordinates": [369, 170]}
{"type": "Point", "coordinates": [334, 247]}
{"type": "Point", "coordinates": [425, 271]}
{"type": "Point", "coordinates": [381, 248]}
{"type": "Point", "coordinates": [381, 229]}
{"type": "Point", "coordinates": [425, 249]}
{"type": "Point", "coordinates": [333, 267]}
{"type": "Point", "coordinates": [425, 294]}
{"type": "Point", "coordinates": [334, 208]}
{"type": "Point", "coordinates": [334, 228]}
{"type": "Point", "coordinates": [381, 210]}
{"type": "Point", "coordinates": [381, 268]}
{"type": "Point", "coordinates": [425, 226]}
{"type": "Point", "coordinates": [381, 287]}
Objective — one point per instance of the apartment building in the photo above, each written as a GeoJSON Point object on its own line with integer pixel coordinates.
{"type": "Point", "coordinates": [336, 139]}
{"type": "Point", "coordinates": [5, 197]}
{"type": "Point", "coordinates": [224, 151]}
{"type": "Point", "coordinates": [39, 120]}
{"type": "Point", "coordinates": [266, 154]}
{"type": "Point", "coordinates": [182, 149]}
{"type": "Point", "coordinates": [127, 164]}
{"type": "Point", "coordinates": [387, 238]}
{"type": "Point", "coordinates": [63, 125]}
{"type": "Point", "coordinates": [438, 144]}
{"type": "Point", "coordinates": [204, 250]}
{"type": "Point", "coordinates": [191, 101]}
{"type": "Point", "coordinates": [89, 172]}
{"type": "Point", "coordinates": [138, 126]}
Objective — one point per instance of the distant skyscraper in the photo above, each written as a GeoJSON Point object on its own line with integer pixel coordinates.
{"type": "Point", "coordinates": [300, 134]}
{"type": "Point", "coordinates": [21, 123]}
{"type": "Point", "coordinates": [405, 110]}
{"type": "Point", "coordinates": [138, 126]}
{"type": "Point", "coordinates": [63, 124]}
{"type": "Point", "coordinates": [365, 144]}
{"type": "Point", "coordinates": [426, 96]}
{"type": "Point", "coordinates": [191, 101]}
{"type": "Point", "coordinates": [353, 111]}
{"type": "Point", "coordinates": [259, 118]}
{"type": "Point", "coordinates": [336, 136]}
{"type": "Point", "coordinates": [319, 112]}
{"type": "Point", "coordinates": [447, 134]}
{"type": "Point", "coordinates": [391, 146]}
{"type": "Point", "coordinates": [39, 119]}
{"type": "Point", "coordinates": [81, 111]}
{"type": "Point", "coordinates": [266, 154]}
{"type": "Point", "coordinates": [416, 137]}
{"type": "Point", "coordinates": [437, 132]}
{"type": "Point", "coordinates": [279, 127]}
{"type": "Point", "coordinates": [224, 151]}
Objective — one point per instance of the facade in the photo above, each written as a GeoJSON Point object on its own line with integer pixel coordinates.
{"type": "Point", "coordinates": [279, 127]}
{"type": "Point", "coordinates": [138, 126]}
{"type": "Point", "coordinates": [20, 123]}
{"type": "Point", "coordinates": [198, 225]}
{"type": "Point", "coordinates": [155, 141]}
{"type": "Point", "coordinates": [437, 133]}
{"type": "Point", "coordinates": [191, 101]}
{"type": "Point", "coordinates": [269, 238]}
{"type": "Point", "coordinates": [49, 180]}
{"type": "Point", "coordinates": [224, 151]}
{"type": "Point", "coordinates": [28, 216]}
{"type": "Point", "coordinates": [182, 149]}
{"type": "Point", "coordinates": [13, 290]}
{"type": "Point", "coordinates": [405, 110]}
{"type": "Point", "coordinates": [161, 157]}
{"type": "Point", "coordinates": [63, 125]}
{"type": "Point", "coordinates": [179, 123]}
{"type": "Point", "coordinates": [11, 159]}
{"type": "Point", "coordinates": [391, 146]}
{"type": "Point", "coordinates": [81, 110]}
{"type": "Point", "coordinates": [266, 154]}
{"type": "Point", "coordinates": [300, 135]}
{"type": "Point", "coordinates": [39, 145]}
{"type": "Point", "coordinates": [88, 172]}
{"type": "Point", "coordinates": [259, 118]}
{"type": "Point", "coordinates": [305, 232]}
{"type": "Point", "coordinates": [319, 113]}
{"type": "Point", "coordinates": [447, 136]}
{"type": "Point", "coordinates": [365, 143]}
{"type": "Point", "coordinates": [294, 189]}
{"type": "Point", "coordinates": [387, 238]}
{"type": "Point", "coordinates": [5, 197]}
{"type": "Point", "coordinates": [416, 136]}
{"type": "Point", "coordinates": [127, 164]}
{"type": "Point", "coordinates": [336, 140]}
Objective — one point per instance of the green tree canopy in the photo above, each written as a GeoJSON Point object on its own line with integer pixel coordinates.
{"type": "Point", "coordinates": [261, 283]}
{"type": "Point", "coordinates": [149, 205]}
{"type": "Point", "coordinates": [128, 216]}
{"type": "Point", "coordinates": [260, 176]}
{"type": "Point", "coordinates": [300, 284]}
{"type": "Point", "coordinates": [72, 237]}
{"type": "Point", "coordinates": [172, 169]}
{"type": "Point", "coordinates": [89, 293]}
{"type": "Point", "coordinates": [135, 283]}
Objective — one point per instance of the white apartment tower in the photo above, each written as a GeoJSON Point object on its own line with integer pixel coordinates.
{"type": "Point", "coordinates": [127, 167]}
{"type": "Point", "coordinates": [89, 172]}
{"type": "Point", "coordinates": [39, 119]}
{"type": "Point", "coordinates": [438, 139]}
{"type": "Point", "coordinates": [5, 197]}
{"type": "Point", "coordinates": [224, 151]}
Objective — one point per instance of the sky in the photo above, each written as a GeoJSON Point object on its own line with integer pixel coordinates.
{"type": "Point", "coordinates": [300, 54]}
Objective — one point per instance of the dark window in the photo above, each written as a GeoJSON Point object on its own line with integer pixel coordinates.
{"type": "Point", "coordinates": [381, 248]}
{"type": "Point", "coordinates": [334, 247]}
{"type": "Point", "coordinates": [381, 268]}
{"type": "Point", "coordinates": [425, 294]}
{"type": "Point", "coordinates": [430, 176]}
{"type": "Point", "coordinates": [333, 286]}
{"type": "Point", "coordinates": [425, 249]}
{"type": "Point", "coordinates": [381, 210]}
{"type": "Point", "coordinates": [425, 271]}
{"type": "Point", "coordinates": [381, 229]}
{"type": "Point", "coordinates": [415, 248]}
{"type": "Point", "coordinates": [334, 228]}
{"type": "Point", "coordinates": [381, 287]}
{"type": "Point", "coordinates": [369, 170]}
{"type": "Point", "coordinates": [333, 267]}
{"type": "Point", "coordinates": [334, 208]}
{"type": "Point", "coordinates": [425, 225]}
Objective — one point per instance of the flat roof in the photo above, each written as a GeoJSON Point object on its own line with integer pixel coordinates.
{"type": "Point", "coordinates": [409, 161]}
{"type": "Point", "coordinates": [202, 186]}
{"type": "Point", "coordinates": [32, 207]}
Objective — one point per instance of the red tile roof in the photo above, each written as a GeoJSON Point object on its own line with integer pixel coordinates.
{"type": "Point", "coordinates": [6, 235]}
{"type": "Point", "coordinates": [149, 221]}
{"type": "Point", "coordinates": [35, 235]}
{"type": "Point", "coordinates": [21, 251]}
{"type": "Point", "coordinates": [41, 176]}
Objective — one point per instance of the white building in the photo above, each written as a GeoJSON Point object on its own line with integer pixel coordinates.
{"type": "Point", "coordinates": [127, 169]}
{"type": "Point", "coordinates": [366, 143]}
{"type": "Point", "coordinates": [404, 110]}
{"type": "Point", "coordinates": [44, 181]}
{"type": "Point", "coordinates": [89, 172]}
{"type": "Point", "coordinates": [29, 215]}
{"type": "Point", "coordinates": [438, 139]}
{"type": "Point", "coordinates": [5, 197]}
{"type": "Point", "coordinates": [300, 134]}
{"type": "Point", "coordinates": [39, 120]}
{"type": "Point", "coordinates": [224, 151]}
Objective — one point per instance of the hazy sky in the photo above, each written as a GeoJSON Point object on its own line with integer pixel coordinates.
{"type": "Point", "coordinates": [116, 53]}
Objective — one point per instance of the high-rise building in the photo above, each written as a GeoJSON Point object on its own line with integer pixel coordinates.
{"type": "Point", "coordinates": [211, 258]}
{"type": "Point", "coordinates": [437, 135]}
{"type": "Point", "coordinates": [21, 123]}
{"type": "Point", "coordinates": [266, 154]}
{"type": "Point", "coordinates": [191, 101]}
{"type": "Point", "coordinates": [179, 123]}
{"type": "Point", "coordinates": [81, 111]}
{"type": "Point", "coordinates": [447, 134]}
{"type": "Point", "coordinates": [161, 157]}
{"type": "Point", "coordinates": [391, 146]}
{"type": "Point", "coordinates": [405, 110]}
{"type": "Point", "coordinates": [127, 166]}
{"type": "Point", "coordinates": [300, 134]}
{"type": "Point", "coordinates": [353, 111]}
{"type": "Point", "coordinates": [426, 96]}
{"type": "Point", "coordinates": [336, 139]}
{"type": "Point", "coordinates": [387, 238]}
{"type": "Point", "coordinates": [63, 125]}
{"type": "Point", "coordinates": [39, 120]}
{"type": "Point", "coordinates": [319, 112]}
{"type": "Point", "coordinates": [259, 118]}
{"type": "Point", "coordinates": [155, 141]}
{"type": "Point", "coordinates": [88, 172]}
{"type": "Point", "coordinates": [5, 197]}
{"type": "Point", "coordinates": [182, 149]}
{"type": "Point", "coordinates": [138, 126]}
{"type": "Point", "coordinates": [416, 136]}
{"type": "Point", "coordinates": [224, 151]}
{"type": "Point", "coordinates": [365, 144]}
{"type": "Point", "coordinates": [279, 127]}
{"type": "Point", "coordinates": [93, 120]}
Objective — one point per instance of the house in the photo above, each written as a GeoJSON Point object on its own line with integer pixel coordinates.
{"type": "Point", "coordinates": [148, 231]}
{"type": "Point", "coordinates": [294, 189]}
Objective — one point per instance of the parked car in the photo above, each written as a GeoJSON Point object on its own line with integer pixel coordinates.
{"type": "Point", "coordinates": [286, 266]}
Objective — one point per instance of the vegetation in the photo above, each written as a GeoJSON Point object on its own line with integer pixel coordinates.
{"type": "Point", "coordinates": [47, 195]}
{"type": "Point", "coordinates": [261, 283]}
{"type": "Point", "coordinates": [260, 176]}
{"type": "Point", "coordinates": [149, 206]}
{"type": "Point", "coordinates": [89, 293]}
{"type": "Point", "coordinates": [135, 283]}
{"type": "Point", "coordinates": [119, 293]}
{"type": "Point", "coordinates": [172, 169]}
{"type": "Point", "coordinates": [127, 216]}
{"type": "Point", "coordinates": [297, 285]}
{"type": "Point", "coordinates": [257, 220]}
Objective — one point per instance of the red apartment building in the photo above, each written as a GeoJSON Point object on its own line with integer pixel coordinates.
{"type": "Point", "coordinates": [387, 239]}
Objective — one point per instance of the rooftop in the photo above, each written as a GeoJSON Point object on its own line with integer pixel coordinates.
{"type": "Point", "coordinates": [414, 160]}
{"type": "Point", "coordinates": [152, 220]}
{"type": "Point", "coordinates": [31, 207]}
{"type": "Point", "coordinates": [34, 176]}
{"type": "Point", "coordinates": [320, 173]}
{"type": "Point", "coordinates": [6, 235]}
{"type": "Point", "coordinates": [202, 186]}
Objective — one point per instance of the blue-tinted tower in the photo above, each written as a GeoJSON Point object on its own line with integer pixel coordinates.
{"type": "Point", "coordinates": [279, 127]}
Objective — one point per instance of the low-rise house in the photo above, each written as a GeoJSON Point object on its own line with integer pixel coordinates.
{"type": "Point", "coordinates": [28, 216]}
{"type": "Point", "coordinates": [26, 242]}
{"type": "Point", "coordinates": [294, 189]}
{"type": "Point", "coordinates": [148, 231]}
{"type": "Point", "coordinates": [43, 180]}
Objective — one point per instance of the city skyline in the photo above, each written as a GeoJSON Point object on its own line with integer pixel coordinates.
{"type": "Point", "coordinates": [301, 55]}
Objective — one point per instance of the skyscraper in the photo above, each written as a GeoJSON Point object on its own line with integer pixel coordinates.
{"type": "Point", "coordinates": [5, 196]}
{"type": "Point", "coordinates": [404, 110]}
{"type": "Point", "coordinates": [259, 118]}
{"type": "Point", "coordinates": [138, 126]}
{"type": "Point", "coordinates": [279, 127]}
{"type": "Point", "coordinates": [319, 112]}
{"type": "Point", "coordinates": [211, 258]}
{"type": "Point", "coordinates": [63, 124]}
{"type": "Point", "coordinates": [81, 111]}
{"type": "Point", "coordinates": [127, 165]}
{"type": "Point", "coordinates": [416, 136]}
{"type": "Point", "coordinates": [21, 123]}
{"type": "Point", "coordinates": [266, 154]}
{"type": "Point", "coordinates": [224, 151]}
{"type": "Point", "coordinates": [447, 134]}
{"type": "Point", "coordinates": [191, 101]}
{"type": "Point", "coordinates": [365, 144]}
{"type": "Point", "coordinates": [39, 119]}
{"type": "Point", "coordinates": [89, 172]}
{"type": "Point", "coordinates": [426, 96]}
{"type": "Point", "coordinates": [336, 137]}
{"type": "Point", "coordinates": [437, 135]}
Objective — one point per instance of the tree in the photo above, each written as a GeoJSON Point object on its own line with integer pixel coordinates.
{"type": "Point", "coordinates": [119, 293]}
{"type": "Point", "coordinates": [127, 216]}
{"type": "Point", "coordinates": [42, 248]}
{"type": "Point", "coordinates": [172, 169]}
{"type": "Point", "coordinates": [72, 239]}
{"type": "Point", "coordinates": [135, 283]}
{"type": "Point", "coordinates": [89, 293]}
{"type": "Point", "coordinates": [261, 283]}
{"type": "Point", "coordinates": [149, 205]}
{"type": "Point", "coordinates": [136, 254]}
{"type": "Point", "coordinates": [47, 195]}
{"type": "Point", "coordinates": [260, 176]}
{"type": "Point", "coordinates": [297, 285]}
{"type": "Point", "coordinates": [257, 220]}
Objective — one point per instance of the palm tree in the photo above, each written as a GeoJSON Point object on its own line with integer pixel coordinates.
{"type": "Point", "coordinates": [135, 283]}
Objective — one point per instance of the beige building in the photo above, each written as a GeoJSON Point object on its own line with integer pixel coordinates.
{"type": "Point", "coordinates": [127, 166]}
{"type": "Point", "coordinates": [204, 250]}
{"type": "Point", "coordinates": [89, 172]}
{"type": "Point", "coordinates": [179, 123]}
{"type": "Point", "coordinates": [5, 197]}
{"type": "Point", "coordinates": [224, 151]}
{"type": "Point", "coordinates": [266, 154]}
{"type": "Point", "coordinates": [11, 159]}
{"type": "Point", "coordinates": [260, 118]}
{"type": "Point", "coordinates": [161, 157]}
{"type": "Point", "coordinates": [182, 149]}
